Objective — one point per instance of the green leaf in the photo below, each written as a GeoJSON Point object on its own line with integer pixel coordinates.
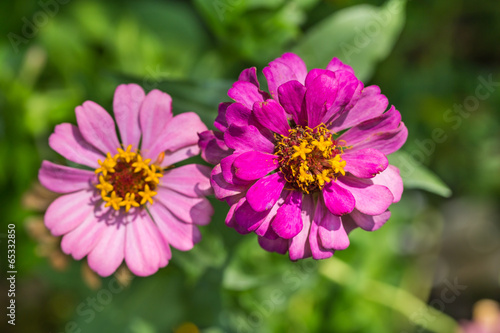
{"type": "Point", "coordinates": [417, 176]}
{"type": "Point", "coordinates": [360, 36]}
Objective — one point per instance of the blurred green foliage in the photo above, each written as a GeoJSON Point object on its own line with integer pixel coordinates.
{"type": "Point", "coordinates": [426, 56]}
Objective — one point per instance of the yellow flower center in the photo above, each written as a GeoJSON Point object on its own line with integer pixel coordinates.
{"type": "Point", "coordinates": [127, 180]}
{"type": "Point", "coordinates": [309, 157]}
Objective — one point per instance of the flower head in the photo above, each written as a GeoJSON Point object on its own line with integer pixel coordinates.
{"type": "Point", "coordinates": [305, 163]}
{"type": "Point", "coordinates": [134, 204]}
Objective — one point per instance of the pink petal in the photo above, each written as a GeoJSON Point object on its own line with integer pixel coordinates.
{"type": "Point", "coordinates": [108, 253]}
{"type": "Point", "coordinates": [97, 127]}
{"type": "Point", "coordinates": [81, 240]}
{"type": "Point", "coordinates": [68, 211]}
{"type": "Point", "coordinates": [145, 250]}
{"type": "Point", "coordinates": [190, 210]}
{"type": "Point", "coordinates": [264, 228]}
{"type": "Point", "coordinates": [391, 179]}
{"type": "Point", "coordinates": [271, 115]}
{"type": "Point", "coordinates": [292, 98]}
{"type": "Point", "coordinates": [369, 222]}
{"type": "Point", "coordinates": [155, 115]}
{"type": "Point", "coordinates": [299, 245]}
{"type": "Point", "coordinates": [181, 131]}
{"type": "Point", "coordinates": [245, 93]}
{"type": "Point", "coordinates": [371, 104]}
{"type": "Point", "coordinates": [179, 155]}
{"type": "Point", "coordinates": [370, 199]}
{"type": "Point", "coordinates": [265, 192]}
{"type": "Point", "coordinates": [69, 142]}
{"type": "Point", "coordinates": [220, 121]}
{"type": "Point", "coordinates": [192, 180]}
{"type": "Point", "coordinates": [63, 179]}
{"type": "Point", "coordinates": [365, 163]}
{"type": "Point", "coordinates": [288, 221]}
{"type": "Point", "coordinates": [126, 105]}
{"type": "Point", "coordinates": [330, 229]}
{"type": "Point", "coordinates": [337, 65]}
{"type": "Point", "coordinates": [180, 235]}
{"type": "Point", "coordinates": [247, 138]}
{"type": "Point", "coordinates": [253, 165]}
{"type": "Point", "coordinates": [338, 200]}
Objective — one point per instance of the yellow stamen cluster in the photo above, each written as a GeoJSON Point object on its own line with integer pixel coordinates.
{"type": "Point", "coordinates": [309, 157]}
{"type": "Point", "coordinates": [127, 180]}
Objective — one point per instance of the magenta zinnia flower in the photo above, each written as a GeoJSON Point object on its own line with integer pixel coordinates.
{"type": "Point", "coordinates": [133, 204]}
{"type": "Point", "coordinates": [304, 165]}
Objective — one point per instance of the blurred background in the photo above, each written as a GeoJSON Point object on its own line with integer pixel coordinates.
{"type": "Point", "coordinates": [424, 271]}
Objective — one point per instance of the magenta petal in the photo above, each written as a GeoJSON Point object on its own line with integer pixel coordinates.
{"type": "Point", "coordinates": [81, 240]}
{"type": "Point", "coordinates": [245, 93]}
{"type": "Point", "coordinates": [228, 171]}
{"type": "Point", "coordinates": [97, 127]}
{"type": "Point", "coordinates": [212, 145]}
{"type": "Point", "coordinates": [338, 200]}
{"type": "Point", "coordinates": [292, 98]}
{"type": "Point", "coordinates": [126, 105]}
{"type": "Point", "coordinates": [369, 222]}
{"type": "Point", "coordinates": [336, 65]}
{"type": "Point", "coordinates": [181, 131]}
{"type": "Point", "coordinates": [330, 229]}
{"type": "Point", "coordinates": [371, 104]}
{"type": "Point", "coordinates": [155, 114]}
{"type": "Point", "coordinates": [348, 93]}
{"type": "Point", "coordinates": [265, 228]}
{"type": "Point", "coordinates": [300, 247]}
{"type": "Point", "coordinates": [391, 179]}
{"type": "Point", "coordinates": [371, 199]}
{"type": "Point", "coordinates": [253, 165]}
{"type": "Point", "coordinates": [192, 180]}
{"type": "Point", "coordinates": [278, 245]}
{"type": "Point", "coordinates": [320, 96]}
{"type": "Point", "coordinates": [180, 235]}
{"type": "Point", "coordinates": [69, 142]}
{"type": "Point", "coordinates": [286, 68]}
{"type": "Point", "coordinates": [265, 192]}
{"type": "Point", "coordinates": [317, 249]}
{"type": "Point", "coordinates": [109, 252]}
{"type": "Point", "coordinates": [385, 142]}
{"type": "Point", "coordinates": [314, 73]}
{"type": "Point", "coordinates": [223, 189]}
{"type": "Point", "coordinates": [249, 75]}
{"type": "Point", "coordinates": [68, 211]}
{"type": "Point", "coordinates": [288, 221]}
{"type": "Point", "coordinates": [190, 210]}
{"type": "Point", "coordinates": [63, 179]}
{"type": "Point", "coordinates": [247, 138]}
{"type": "Point", "coordinates": [238, 114]}
{"type": "Point", "coordinates": [145, 250]}
{"type": "Point", "coordinates": [220, 121]}
{"type": "Point", "coordinates": [272, 116]}
{"type": "Point", "coordinates": [248, 219]}
{"type": "Point", "coordinates": [365, 163]}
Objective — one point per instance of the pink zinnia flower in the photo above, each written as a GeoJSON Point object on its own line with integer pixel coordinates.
{"type": "Point", "coordinates": [305, 164]}
{"type": "Point", "coordinates": [133, 204]}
